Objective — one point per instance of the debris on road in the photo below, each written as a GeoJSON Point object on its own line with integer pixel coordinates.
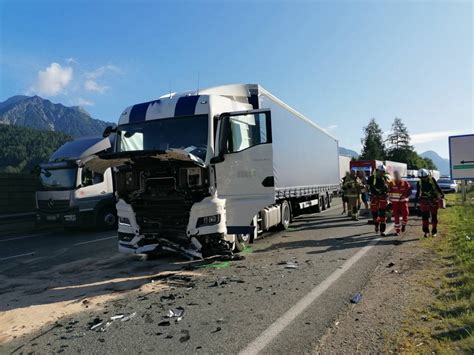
{"type": "Point", "coordinates": [96, 322]}
{"type": "Point", "coordinates": [291, 265]}
{"type": "Point", "coordinates": [219, 281]}
{"type": "Point", "coordinates": [175, 313]}
{"type": "Point", "coordinates": [95, 326]}
{"type": "Point", "coordinates": [185, 336]}
{"type": "Point", "coordinates": [218, 329]}
{"type": "Point", "coordinates": [118, 316]}
{"type": "Point", "coordinates": [164, 324]}
{"type": "Point", "coordinates": [356, 298]}
{"type": "Point", "coordinates": [390, 264]}
{"type": "Point", "coordinates": [130, 316]}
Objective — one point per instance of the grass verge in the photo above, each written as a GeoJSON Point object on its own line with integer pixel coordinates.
{"type": "Point", "coordinates": [448, 321]}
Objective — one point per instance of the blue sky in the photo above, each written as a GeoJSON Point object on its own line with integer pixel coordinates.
{"type": "Point", "coordinates": [339, 63]}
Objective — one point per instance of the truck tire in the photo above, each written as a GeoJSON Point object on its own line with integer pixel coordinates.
{"type": "Point", "coordinates": [323, 203]}
{"type": "Point", "coordinates": [106, 218]}
{"type": "Point", "coordinates": [328, 198]}
{"type": "Point", "coordinates": [285, 216]}
{"type": "Point", "coordinates": [240, 241]}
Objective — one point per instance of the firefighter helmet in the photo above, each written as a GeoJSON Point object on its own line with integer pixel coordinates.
{"type": "Point", "coordinates": [423, 173]}
{"type": "Point", "coordinates": [381, 167]}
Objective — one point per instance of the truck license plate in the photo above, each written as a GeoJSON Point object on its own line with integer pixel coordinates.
{"type": "Point", "coordinates": [51, 217]}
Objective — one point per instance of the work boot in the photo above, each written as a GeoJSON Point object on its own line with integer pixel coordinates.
{"type": "Point", "coordinates": [426, 235]}
{"type": "Point", "coordinates": [404, 228]}
{"type": "Point", "coordinates": [376, 227]}
{"type": "Point", "coordinates": [397, 233]}
{"type": "Point", "coordinates": [382, 227]}
{"type": "Point", "coordinates": [434, 232]}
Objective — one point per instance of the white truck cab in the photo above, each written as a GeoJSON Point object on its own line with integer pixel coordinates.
{"type": "Point", "coordinates": [71, 195]}
{"type": "Point", "coordinates": [203, 172]}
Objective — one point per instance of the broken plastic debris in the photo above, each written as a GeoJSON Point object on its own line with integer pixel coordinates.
{"type": "Point", "coordinates": [218, 329]}
{"type": "Point", "coordinates": [130, 316]}
{"type": "Point", "coordinates": [118, 316]}
{"type": "Point", "coordinates": [104, 328]}
{"type": "Point", "coordinates": [95, 326]}
{"type": "Point", "coordinates": [175, 313]}
{"type": "Point", "coordinates": [356, 298]}
{"type": "Point", "coordinates": [164, 324]}
{"type": "Point", "coordinates": [291, 265]}
{"type": "Point", "coordinates": [390, 264]}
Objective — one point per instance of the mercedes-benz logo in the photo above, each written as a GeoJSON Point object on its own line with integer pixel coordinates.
{"type": "Point", "coordinates": [50, 203]}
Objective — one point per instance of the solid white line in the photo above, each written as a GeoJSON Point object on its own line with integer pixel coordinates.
{"type": "Point", "coordinates": [25, 237]}
{"type": "Point", "coordinates": [93, 241]}
{"type": "Point", "coordinates": [17, 256]}
{"type": "Point", "coordinates": [289, 316]}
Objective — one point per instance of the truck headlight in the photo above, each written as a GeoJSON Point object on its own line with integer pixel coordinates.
{"type": "Point", "coordinates": [208, 220]}
{"type": "Point", "coordinates": [124, 220]}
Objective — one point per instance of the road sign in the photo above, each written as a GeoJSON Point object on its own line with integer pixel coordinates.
{"type": "Point", "coordinates": [461, 156]}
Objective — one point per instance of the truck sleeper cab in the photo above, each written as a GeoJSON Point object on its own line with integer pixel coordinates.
{"type": "Point", "coordinates": [75, 196]}
{"type": "Point", "coordinates": [203, 173]}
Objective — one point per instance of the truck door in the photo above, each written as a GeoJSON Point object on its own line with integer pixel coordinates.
{"type": "Point", "coordinates": [244, 166]}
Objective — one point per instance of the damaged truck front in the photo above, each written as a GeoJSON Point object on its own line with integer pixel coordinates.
{"type": "Point", "coordinates": [199, 173]}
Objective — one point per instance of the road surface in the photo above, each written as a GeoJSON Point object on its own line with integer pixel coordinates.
{"type": "Point", "coordinates": [55, 287]}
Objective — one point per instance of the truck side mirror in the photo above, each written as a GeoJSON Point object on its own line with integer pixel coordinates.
{"type": "Point", "coordinates": [108, 130]}
{"type": "Point", "coordinates": [223, 136]}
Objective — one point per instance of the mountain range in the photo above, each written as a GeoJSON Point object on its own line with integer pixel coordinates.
{"type": "Point", "coordinates": [441, 163]}
{"type": "Point", "coordinates": [39, 113]}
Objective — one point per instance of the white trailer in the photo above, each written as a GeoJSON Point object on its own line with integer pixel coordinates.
{"type": "Point", "coordinates": [203, 172]}
{"type": "Point", "coordinates": [344, 165]}
{"type": "Point", "coordinates": [393, 166]}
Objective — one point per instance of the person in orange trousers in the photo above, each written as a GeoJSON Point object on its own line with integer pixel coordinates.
{"type": "Point", "coordinates": [399, 192]}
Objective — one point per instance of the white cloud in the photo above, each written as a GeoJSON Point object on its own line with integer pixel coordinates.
{"type": "Point", "coordinates": [94, 86]}
{"type": "Point", "coordinates": [419, 138]}
{"type": "Point", "coordinates": [71, 60]}
{"type": "Point", "coordinates": [84, 102]}
{"type": "Point", "coordinates": [53, 80]}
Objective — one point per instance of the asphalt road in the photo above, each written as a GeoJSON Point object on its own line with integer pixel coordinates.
{"type": "Point", "coordinates": [247, 306]}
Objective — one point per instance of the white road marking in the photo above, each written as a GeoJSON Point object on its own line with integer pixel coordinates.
{"type": "Point", "coordinates": [93, 241]}
{"type": "Point", "coordinates": [18, 256]}
{"type": "Point", "coordinates": [289, 316]}
{"type": "Point", "coordinates": [25, 237]}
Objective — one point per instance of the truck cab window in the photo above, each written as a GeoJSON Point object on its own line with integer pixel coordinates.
{"type": "Point", "coordinates": [90, 178]}
{"type": "Point", "coordinates": [247, 131]}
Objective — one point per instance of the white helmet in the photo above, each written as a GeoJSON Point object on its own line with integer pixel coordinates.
{"type": "Point", "coordinates": [423, 173]}
{"type": "Point", "coordinates": [381, 167]}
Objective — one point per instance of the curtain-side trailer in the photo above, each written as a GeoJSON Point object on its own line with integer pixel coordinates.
{"type": "Point", "coordinates": [204, 172]}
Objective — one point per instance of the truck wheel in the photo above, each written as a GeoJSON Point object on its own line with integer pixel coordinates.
{"type": "Point", "coordinates": [285, 216]}
{"type": "Point", "coordinates": [328, 198]}
{"type": "Point", "coordinates": [240, 241]}
{"type": "Point", "coordinates": [107, 219]}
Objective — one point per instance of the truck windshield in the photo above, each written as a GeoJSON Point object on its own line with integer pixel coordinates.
{"type": "Point", "coordinates": [58, 179]}
{"type": "Point", "coordinates": [187, 133]}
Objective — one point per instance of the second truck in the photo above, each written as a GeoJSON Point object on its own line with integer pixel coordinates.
{"type": "Point", "coordinates": [202, 173]}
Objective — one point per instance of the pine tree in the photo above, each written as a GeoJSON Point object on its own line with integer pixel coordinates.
{"type": "Point", "coordinates": [399, 138]}
{"type": "Point", "coordinates": [373, 146]}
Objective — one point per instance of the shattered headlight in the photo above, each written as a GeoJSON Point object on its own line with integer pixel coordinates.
{"type": "Point", "coordinates": [208, 220]}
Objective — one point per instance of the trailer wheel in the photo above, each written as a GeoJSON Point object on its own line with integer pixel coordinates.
{"type": "Point", "coordinates": [285, 216]}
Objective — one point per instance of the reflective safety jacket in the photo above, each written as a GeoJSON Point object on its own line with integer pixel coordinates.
{"type": "Point", "coordinates": [352, 187]}
{"type": "Point", "coordinates": [378, 186]}
{"type": "Point", "coordinates": [428, 189]}
{"type": "Point", "coordinates": [399, 191]}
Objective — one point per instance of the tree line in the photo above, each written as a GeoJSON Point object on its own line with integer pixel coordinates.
{"type": "Point", "coordinates": [396, 147]}
{"type": "Point", "coordinates": [22, 148]}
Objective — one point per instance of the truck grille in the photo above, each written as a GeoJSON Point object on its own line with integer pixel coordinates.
{"type": "Point", "coordinates": [54, 206]}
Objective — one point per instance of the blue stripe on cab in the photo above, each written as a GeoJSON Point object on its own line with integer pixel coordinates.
{"type": "Point", "coordinates": [186, 106]}
{"type": "Point", "coordinates": [138, 112]}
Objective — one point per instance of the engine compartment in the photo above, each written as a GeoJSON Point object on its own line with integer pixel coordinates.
{"type": "Point", "coordinates": [161, 194]}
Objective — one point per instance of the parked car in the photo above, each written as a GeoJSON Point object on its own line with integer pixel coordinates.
{"type": "Point", "coordinates": [447, 185]}
{"type": "Point", "coordinates": [412, 203]}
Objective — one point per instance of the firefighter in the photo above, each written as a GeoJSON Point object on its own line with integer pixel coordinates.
{"type": "Point", "coordinates": [378, 187]}
{"type": "Point", "coordinates": [352, 189]}
{"type": "Point", "coordinates": [428, 194]}
{"type": "Point", "coordinates": [399, 192]}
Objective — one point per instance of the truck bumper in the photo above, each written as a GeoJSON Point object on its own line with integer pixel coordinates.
{"type": "Point", "coordinates": [69, 218]}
